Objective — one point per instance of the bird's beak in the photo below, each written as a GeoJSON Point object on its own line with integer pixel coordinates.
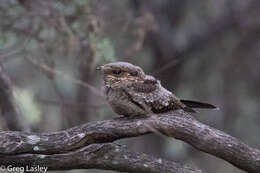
{"type": "Point", "coordinates": [100, 68]}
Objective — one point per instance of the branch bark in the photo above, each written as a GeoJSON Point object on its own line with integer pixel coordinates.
{"type": "Point", "coordinates": [108, 156]}
{"type": "Point", "coordinates": [88, 145]}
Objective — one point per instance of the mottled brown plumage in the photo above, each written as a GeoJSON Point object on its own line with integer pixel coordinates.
{"type": "Point", "coordinates": [131, 92]}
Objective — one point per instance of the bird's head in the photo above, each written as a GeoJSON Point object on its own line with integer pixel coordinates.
{"type": "Point", "coordinates": [119, 74]}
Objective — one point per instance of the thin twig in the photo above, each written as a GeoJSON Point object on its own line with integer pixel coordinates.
{"type": "Point", "coordinates": [48, 69]}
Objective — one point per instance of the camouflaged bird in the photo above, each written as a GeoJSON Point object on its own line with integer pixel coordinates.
{"type": "Point", "coordinates": [131, 92]}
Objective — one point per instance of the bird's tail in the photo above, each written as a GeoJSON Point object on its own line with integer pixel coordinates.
{"type": "Point", "coordinates": [195, 104]}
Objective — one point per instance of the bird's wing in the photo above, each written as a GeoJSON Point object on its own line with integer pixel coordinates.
{"type": "Point", "coordinates": [147, 86]}
{"type": "Point", "coordinates": [161, 100]}
{"type": "Point", "coordinates": [153, 97]}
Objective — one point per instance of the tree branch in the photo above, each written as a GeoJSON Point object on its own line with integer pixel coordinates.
{"type": "Point", "coordinates": [89, 143]}
{"type": "Point", "coordinates": [108, 156]}
{"type": "Point", "coordinates": [9, 110]}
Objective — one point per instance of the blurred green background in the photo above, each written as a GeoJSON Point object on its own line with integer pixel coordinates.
{"type": "Point", "coordinates": [204, 50]}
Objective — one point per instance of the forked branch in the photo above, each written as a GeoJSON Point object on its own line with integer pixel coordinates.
{"type": "Point", "coordinates": [89, 145]}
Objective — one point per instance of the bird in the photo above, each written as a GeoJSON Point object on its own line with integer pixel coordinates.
{"type": "Point", "coordinates": [130, 92]}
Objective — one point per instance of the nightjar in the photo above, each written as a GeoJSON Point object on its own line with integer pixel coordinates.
{"type": "Point", "coordinates": [130, 92]}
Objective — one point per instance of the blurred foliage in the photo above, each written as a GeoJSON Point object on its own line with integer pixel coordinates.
{"type": "Point", "coordinates": [28, 107]}
{"type": "Point", "coordinates": [208, 51]}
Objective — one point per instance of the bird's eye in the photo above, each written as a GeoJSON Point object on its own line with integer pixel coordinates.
{"type": "Point", "coordinates": [117, 72]}
{"type": "Point", "coordinates": [135, 73]}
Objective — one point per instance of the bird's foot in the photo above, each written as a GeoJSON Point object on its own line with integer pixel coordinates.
{"type": "Point", "coordinates": [121, 117]}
